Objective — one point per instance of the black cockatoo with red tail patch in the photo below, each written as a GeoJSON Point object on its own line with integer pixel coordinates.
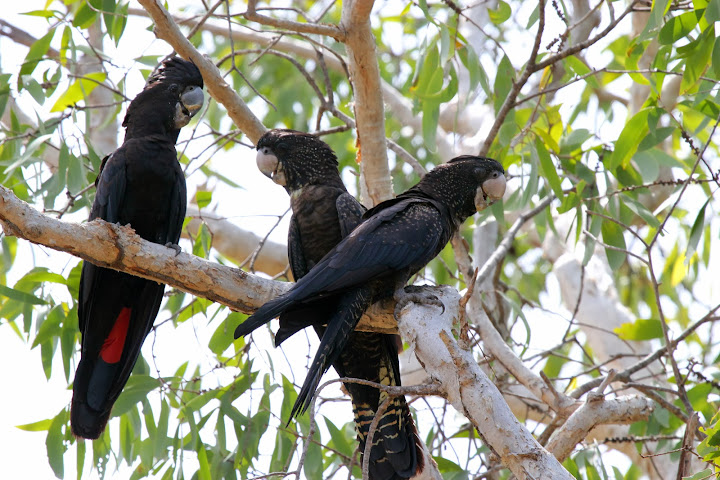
{"type": "Point", "coordinates": [143, 185]}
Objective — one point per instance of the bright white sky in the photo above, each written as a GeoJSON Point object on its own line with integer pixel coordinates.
{"type": "Point", "coordinates": [28, 396]}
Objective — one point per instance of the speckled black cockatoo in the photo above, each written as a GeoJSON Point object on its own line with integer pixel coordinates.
{"type": "Point", "coordinates": [140, 184]}
{"type": "Point", "coordinates": [395, 240]}
{"type": "Point", "coordinates": [323, 214]}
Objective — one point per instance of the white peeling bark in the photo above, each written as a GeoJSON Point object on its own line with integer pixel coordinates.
{"type": "Point", "coordinates": [376, 184]}
{"type": "Point", "coordinates": [221, 91]}
{"type": "Point", "coordinates": [118, 247]}
{"type": "Point", "coordinates": [471, 392]}
{"type": "Point", "coordinates": [625, 410]}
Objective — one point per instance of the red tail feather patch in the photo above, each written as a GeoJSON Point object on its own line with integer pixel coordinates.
{"type": "Point", "coordinates": [112, 348]}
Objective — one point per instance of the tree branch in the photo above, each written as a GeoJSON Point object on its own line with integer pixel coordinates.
{"type": "Point", "coordinates": [167, 29]}
{"type": "Point", "coordinates": [626, 375]}
{"type": "Point", "coordinates": [624, 410]}
{"type": "Point", "coordinates": [561, 404]}
{"type": "Point", "coordinates": [517, 85]}
{"type": "Point", "coordinates": [471, 392]}
{"type": "Point", "coordinates": [578, 47]}
{"type": "Point", "coordinates": [315, 28]}
{"type": "Point", "coordinates": [398, 106]}
{"type": "Point", "coordinates": [118, 247]}
{"type": "Point", "coordinates": [492, 339]}
{"type": "Point", "coordinates": [369, 110]}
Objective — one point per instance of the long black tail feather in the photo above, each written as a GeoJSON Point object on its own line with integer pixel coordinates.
{"type": "Point", "coordinates": [86, 421]}
{"type": "Point", "coordinates": [264, 314]}
{"type": "Point", "coordinates": [298, 317]}
{"type": "Point", "coordinates": [351, 306]}
{"type": "Point", "coordinates": [98, 383]}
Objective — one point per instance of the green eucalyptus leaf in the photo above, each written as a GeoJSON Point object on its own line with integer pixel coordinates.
{"type": "Point", "coordinates": [641, 329]}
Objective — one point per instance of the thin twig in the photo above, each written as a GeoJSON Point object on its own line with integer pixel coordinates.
{"type": "Point", "coordinates": [626, 374]}
{"type": "Point", "coordinates": [204, 18]}
{"type": "Point", "coordinates": [517, 85]}
{"type": "Point", "coordinates": [316, 28]}
{"type": "Point", "coordinates": [613, 247]}
{"type": "Point", "coordinates": [507, 240]}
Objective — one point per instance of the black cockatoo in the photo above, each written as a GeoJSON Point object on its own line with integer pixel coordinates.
{"type": "Point", "coordinates": [140, 184]}
{"type": "Point", "coordinates": [323, 214]}
{"type": "Point", "coordinates": [395, 240]}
